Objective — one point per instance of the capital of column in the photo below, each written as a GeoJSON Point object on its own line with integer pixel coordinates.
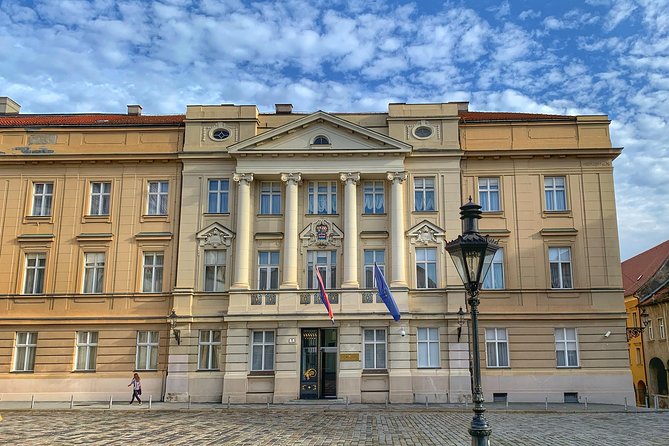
{"type": "Point", "coordinates": [245, 178]}
{"type": "Point", "coordinates": [398, 177]}
{"type": "Point", "coordinates": [294, 178]}
{"type": "Point", "coordinates": [350, 177]}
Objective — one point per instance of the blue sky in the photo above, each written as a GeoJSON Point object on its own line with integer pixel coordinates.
{"type": "Point", "coordinates": [565, 57]}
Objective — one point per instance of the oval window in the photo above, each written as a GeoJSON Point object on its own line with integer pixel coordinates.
{"type": "Point", "coordinates": [422, 132]}
{"type": "Point", "coordinates": [220, 134]}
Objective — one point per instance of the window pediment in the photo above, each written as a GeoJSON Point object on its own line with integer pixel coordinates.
{"type": "Point", "coordinates": [321, 233]}
{"type": "Point", "coordinates": [426, 233]}
{"type": "Point", "coordinates": [215, 236]}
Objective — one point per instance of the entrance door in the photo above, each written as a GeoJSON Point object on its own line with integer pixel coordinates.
{"type": "Point", "coordinates": [318, 370]}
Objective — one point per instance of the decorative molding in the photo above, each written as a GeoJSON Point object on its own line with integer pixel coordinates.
{"type": "Point", "coordinates": [349, 177]}
{"type": "Point", "coordinates": [436, 130]}
{"type": "Point", "coordinates": [215, 235]}
{"type": "Point", "coordinates": [295, 178]}
{"type": "Point", "coordinates": [208, 129]}
{"type": "Point", "coordinates": [559, 231]}
{"type": "Point", "coordinates": [35, 238]}
{"type": "Point", "coordinates": [399, 177]}
{"type": "Point", "coordinates": [321, 233]}
{"type": "Point", "coordinates": [427, 234]}
{"type": "Point", "coordinates": [153, 236]}
{"type": "Point", "coordinates": [245, 178]}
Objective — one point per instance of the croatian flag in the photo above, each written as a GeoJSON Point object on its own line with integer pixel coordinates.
{"type": "Point", "coordinates": [384, 293]}
{"type": "Point", "coordinates": [324, 295]}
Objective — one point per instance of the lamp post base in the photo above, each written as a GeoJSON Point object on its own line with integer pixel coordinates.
{"type": "Point", "coordinates": [480, 437]}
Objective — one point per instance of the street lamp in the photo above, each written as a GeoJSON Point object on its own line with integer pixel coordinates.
{"type": "Point", "coordinates": [472, 255]}
{"type": "Point", "coordinates": [172, 318]}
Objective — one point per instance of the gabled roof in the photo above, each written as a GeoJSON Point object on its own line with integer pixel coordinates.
{"type": "Point", "coordinates": [640, 269]}
{"type": "Point", "coordinates": [472, 116]}
{"type": "Point", "coordinates": [319, 117]}
{"type": "Point", "coordinates": [88, 119]}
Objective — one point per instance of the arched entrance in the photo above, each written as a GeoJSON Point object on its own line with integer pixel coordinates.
{"type": "Point", "coordinates": [641, 393]}
{"type": "Point", "coordinates": [657, 377]}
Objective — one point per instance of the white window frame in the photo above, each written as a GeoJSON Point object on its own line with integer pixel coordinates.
{"type": "Point", "coordinates": [427, 338]}
{"type": "Point", "coordinates": [86, 348]}
{"type": "Point", "coordinates": [369, 257]}
{"type": "Point", "coordinates": [102, 196]}
{"type": "Point", "coordinates": [489, 194]}
{"type": "Point", "coordinates": [556, 256]}
{"type": "Point", "coordinates": [374, 190]}
{"type": "Point", "coordinates": [209, 344]}
{"type": "Point", "coordinates": [422, 259]}
{"type": "Point", "coordinates": [649, 331]}
{"type": "Point", "coordinates": [264, 347]}
{"type": "Point", "coordinates": [379, 340]}
{"type": "Point", "coordinates": [562, 345]}
{"type": "Point", "coordinates": [268, 271]}
{"type": "Point", "coordinates": [153, 272]}
{"type": "Point", "coordinates": [326, 262]}
{"type": "Point", "coordinates": [491, 281]}
{"type": "Point", "coordinates": [94, 272]}
{"type": "Point", "coordinates": [218, 189]}
{"type": "Point", "coordinates": [29, 347]}
{"type": "Point", "coordinates": [215, 267]}
{"type": "Point", "coordinates": [157, 200]}
{"type": "Point", "coordinates": [330, 194]}
{"type": "Point", "coordinates": [423, 189]}
{"type": "Point", "coordinates": [554, 188]}
{"type": "Point", "coordinates": [270, 192]}
{"type": "Point", "coordinates": [147, 350]}
{"type": "Point", "coordinates": [496, 341]}
{"type": "Point", "coordinates": [35, 273]}
{"type": "Point", "coordinates": [42, 199]}
{"type": "Point", "coordinates": [662, 334]}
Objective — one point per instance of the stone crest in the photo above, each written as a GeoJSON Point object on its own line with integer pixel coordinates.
{"type": "Point", "coordinates": [215, 236]}
{"type": "Point", "coordinates": [321, 233]}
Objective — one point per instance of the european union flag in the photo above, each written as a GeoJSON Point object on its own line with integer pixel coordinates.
{"type": "Point", "coordinates": [384, 293]}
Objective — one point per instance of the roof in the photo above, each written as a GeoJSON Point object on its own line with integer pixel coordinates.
{"type": "Point", "coordinates": [472, 116]}
{"type": "Point", "coordinates": [641, 268]}
{"type": "Point", "coordinates": [88, 119]}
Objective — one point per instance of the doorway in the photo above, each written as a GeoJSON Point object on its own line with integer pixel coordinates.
{"type": "Point", "coordinates": [318, 370]}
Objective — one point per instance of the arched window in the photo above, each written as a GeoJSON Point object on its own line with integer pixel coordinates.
{"type": "Point", "coordinates": [321, 140]}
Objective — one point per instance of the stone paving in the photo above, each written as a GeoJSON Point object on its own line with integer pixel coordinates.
{"type": "Point", "coordinates": [409, 425]}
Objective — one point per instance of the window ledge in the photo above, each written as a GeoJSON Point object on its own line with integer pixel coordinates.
{"type": "Point", "coordinates": [260, 373]}
{"type": "Point", "coordinates": [374, 214]}
{"type": "Point", "coordinates": [151, 217]}
{"type": "Point", "coordinates": [83, 371]}
{"type": "Point", "coordinates": [259, 215]}
{"type": "Point", "coordinates": [432, 211]}
{"type": "Point", "coordinates": [207, 370]}
{"type": "Point", "coordinates": [319, 215]}
{"type": "Point", "coordinates": [97, 218]}
{"type": "Point", "coordinates": [22, 372]}
{"type": "Point", "coordinates": [375, 371]}
{"type": "Point", "coordinates": [560, 213]}
{"type": "Point", "coordinates": [429, 368]}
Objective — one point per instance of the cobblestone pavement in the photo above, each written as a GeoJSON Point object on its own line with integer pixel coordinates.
{"type": "Point", "coordinates": [318, 426]}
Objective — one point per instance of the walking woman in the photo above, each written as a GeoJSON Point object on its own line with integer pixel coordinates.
{"type": "Point", "coordinates": [136, 388]}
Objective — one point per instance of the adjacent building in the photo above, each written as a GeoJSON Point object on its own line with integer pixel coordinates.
{"type": "Point", "coordinates": [259, 205]}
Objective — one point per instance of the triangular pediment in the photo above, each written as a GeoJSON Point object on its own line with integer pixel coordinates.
{"type": "Point", "coordinates": [427, 233]}
{"type": "Point", "coordinates": [321, 233]}
{"type": "Point", "coordinates": [300, 136]}
{"type": "Point", "coordinates": [215, 236]}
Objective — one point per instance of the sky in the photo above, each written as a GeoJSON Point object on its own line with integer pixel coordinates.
{"type": "Point", "coordinates": [564, 57]}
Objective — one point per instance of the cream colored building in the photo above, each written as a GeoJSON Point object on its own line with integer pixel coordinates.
{"type": "Point", "coordinates": [89, 207]}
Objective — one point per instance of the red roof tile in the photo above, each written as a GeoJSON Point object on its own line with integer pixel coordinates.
{"type": "Point", "coordinates": [89, 119]}
{"type": "Point", "coordinates": [640, 268]}
{"type": "Point", "coordinates": [472, 116]}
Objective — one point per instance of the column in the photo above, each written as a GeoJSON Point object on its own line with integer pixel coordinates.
{"type": "Point", "coordinates": [398, 278]}
{"type": "Point", "coordinates": [350, 181]}
{"type": "Point", "coordinates": [291, 234]}
{"type": "Point", "coordinates": [243, 236]}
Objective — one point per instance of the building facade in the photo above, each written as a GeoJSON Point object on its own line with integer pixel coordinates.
{"type": "Point", "coordinates": [268, 202]}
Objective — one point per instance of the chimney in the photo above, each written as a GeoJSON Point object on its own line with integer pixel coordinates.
{"type": "Point", "coordinates": [8, 106]}
{"type": "Point", "coordinates": [134, 110]}
{"type": "Point", "coordinates": [283, 109]}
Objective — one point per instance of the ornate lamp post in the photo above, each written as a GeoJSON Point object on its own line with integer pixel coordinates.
{"type": "Point", "coordinates": [172, 318]}
{"type": "Point", "coordinates": [472, 255]}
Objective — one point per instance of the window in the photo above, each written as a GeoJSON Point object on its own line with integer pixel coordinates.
{"type": "Point", "coordinates": [326, 262]}
{"type": "Point", "coordinates": [42, 199]}
{"type": "Point", "coordinates": [209, 344]}
{"type": "Point", "coordinates": [638, 356]}
{"type": "Point", "coordinates": [24, 351]}
{"type": "Point", "coordinates": [372, 256]}
{"type": "Point", "coordinates": [262, 356]}
{"type": "Point", "coordinates": [219, 191]}
{"type": "Point", "coordinates": [153, 272]}
{"type": "Point", "coordinates": [94, 272]}
{"type": "Point", "coordinates": [423, 194]}
{"type": "Point", "coordinates": [268, 270]}
{"type": "Point", "coordinates": [147, 350]}
{"type": "Point", "coordinates": [566, 351]}
{"type": "Point", "coordinates": [649, 331]}
{"type": "Point", "coordinates": [560, 266]}
{"type": "Point", "coordinates": [374, 348]}
{"type": "Point", "coordinates": [489, 194]}
{"type": "Point", "coordinates": [660, 328]}
{"type": "Point", "coordinates": [494, 279]}
{"type": "Point", "coordinates": [373, 192]}
{"type": "Point", "coordinates": [34, 275]}
{"type": "Point", "coordinates": [270, 198]}
{"type": "Point", "coordinates": [100, 198]}
{"type": "Point", "coordinates": [321, 140]}
{"type": "Point", "coordinates": [214, 270]}
{"type": "Point", "coordinates": [497, 347]}
{"type": "Point", "coordinates": [428, 347]}
{"type": "Point", "coordinates": [322, 197]}
{"type": "Point", "coordinates": [157, 198]}
{"type": "Point", "coordinates": [426, 268]}
{"type": "Point", "coordinates": [554, 190]}
{"type": "Point", "coordinates": [87, 350]}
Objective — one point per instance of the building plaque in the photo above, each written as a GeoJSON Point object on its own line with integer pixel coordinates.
{"type": "Point", "coordinates": [349, 356]}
